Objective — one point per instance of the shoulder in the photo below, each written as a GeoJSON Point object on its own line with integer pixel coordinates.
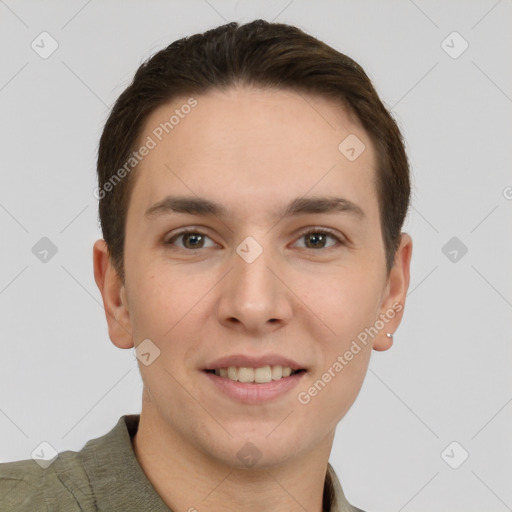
{"type": "Point", "coordinates": [74, 480]}
{"type": "Point", "coordinates": [25, 486]}
{"type": "Point", "coordinates": [21, 486]}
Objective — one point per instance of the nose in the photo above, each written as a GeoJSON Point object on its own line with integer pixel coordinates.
{"type": "Point", "coordinates": [254, 297]}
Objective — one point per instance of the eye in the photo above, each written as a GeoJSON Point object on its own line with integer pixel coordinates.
{"type": "Point", "coordinates": [191, 240]}
{"type": "Point", "coordinates": [317, 238]}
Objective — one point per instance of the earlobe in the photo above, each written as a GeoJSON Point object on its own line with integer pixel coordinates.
{"type": "Point", "coordinates": [113, 293]}
{"type": "Point", "coordinates": [383, 342]}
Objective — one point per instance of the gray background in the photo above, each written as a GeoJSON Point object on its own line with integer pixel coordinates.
{"type": "Point", "coordinates": [448, 376]}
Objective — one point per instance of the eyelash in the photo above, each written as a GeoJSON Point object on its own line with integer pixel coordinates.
{"type": "Point", "coordinates": [323, 231]}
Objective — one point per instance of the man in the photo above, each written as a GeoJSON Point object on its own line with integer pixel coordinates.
{"type": "Point", "coordinates": [252, 191]}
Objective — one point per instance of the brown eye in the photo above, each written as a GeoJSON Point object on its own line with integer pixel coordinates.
{"type": "Point", "coordinates": [318, 239]}
{"type": "Point", "coordinates": [190, 240]}
{"type": "Point", "coordinates": [193, 240]}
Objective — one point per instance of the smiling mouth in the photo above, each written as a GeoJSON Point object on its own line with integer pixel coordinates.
{"type": "Point", "coordinates": [260, 375]}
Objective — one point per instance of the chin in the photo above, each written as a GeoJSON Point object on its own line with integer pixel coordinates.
{"type": "Point", "coordinates": [260, 450]}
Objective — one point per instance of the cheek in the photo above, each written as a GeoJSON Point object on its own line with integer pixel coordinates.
{"type": "Point", "coordinates": [334, 388]}
{"type": "Point", "coordinates": [167, 307]}
{"type": "Point", "coordinates": [347, 306]}
{"type": "Point", "coordinates": [347, 383]}
{"type": "Point", "coordinates": [346, 301]}
{"type": "Point", "coordinates": [154, 305]}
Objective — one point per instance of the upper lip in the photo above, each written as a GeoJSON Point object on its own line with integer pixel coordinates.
{"type": "Point", "coordinates": [245, 361]}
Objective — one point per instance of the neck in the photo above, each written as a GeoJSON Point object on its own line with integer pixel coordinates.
{"type": "Point", "coordinates": [188, 479]}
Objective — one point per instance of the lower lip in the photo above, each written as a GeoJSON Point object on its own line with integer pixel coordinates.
{"type": "Point", "coordinates": [253, 393]}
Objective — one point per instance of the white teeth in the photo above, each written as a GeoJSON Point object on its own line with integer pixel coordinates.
{"type": "Point", "coordinates": [287, 372]}
{"type": "Point", "coordinates": [246, 375]}
{"type": "Point", "coordinates": [277, 372]}
{"type": "Point", "coordinates": [259, 375]}
{"type": "Point", "coordinates": [262, 375]}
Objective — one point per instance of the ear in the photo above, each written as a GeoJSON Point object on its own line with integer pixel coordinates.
{"type": "Point", "coordinates": [113, 293]}
{"type": "Point", "coordinates": [393, 300]}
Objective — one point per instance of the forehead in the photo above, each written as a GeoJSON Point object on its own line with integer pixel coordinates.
{"type": "Point", "coordinates": [263, 144]}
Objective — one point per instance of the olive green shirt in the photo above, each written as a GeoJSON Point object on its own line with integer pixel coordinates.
{"type": "Point", "coordinates": [104, 475]}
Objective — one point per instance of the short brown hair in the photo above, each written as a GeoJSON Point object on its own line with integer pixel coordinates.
{"type": "Point", "coordinates": [262, 54]}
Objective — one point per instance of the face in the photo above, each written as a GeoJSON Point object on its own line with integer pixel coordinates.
{"type": "Point", "coordinates": [252, 241]}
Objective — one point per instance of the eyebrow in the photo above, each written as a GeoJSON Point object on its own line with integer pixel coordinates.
{"type": "Point", "coordinates": [205, 207]}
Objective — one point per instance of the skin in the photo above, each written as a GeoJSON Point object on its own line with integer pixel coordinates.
{"type": "Point", "coordinates": [252, 151]}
